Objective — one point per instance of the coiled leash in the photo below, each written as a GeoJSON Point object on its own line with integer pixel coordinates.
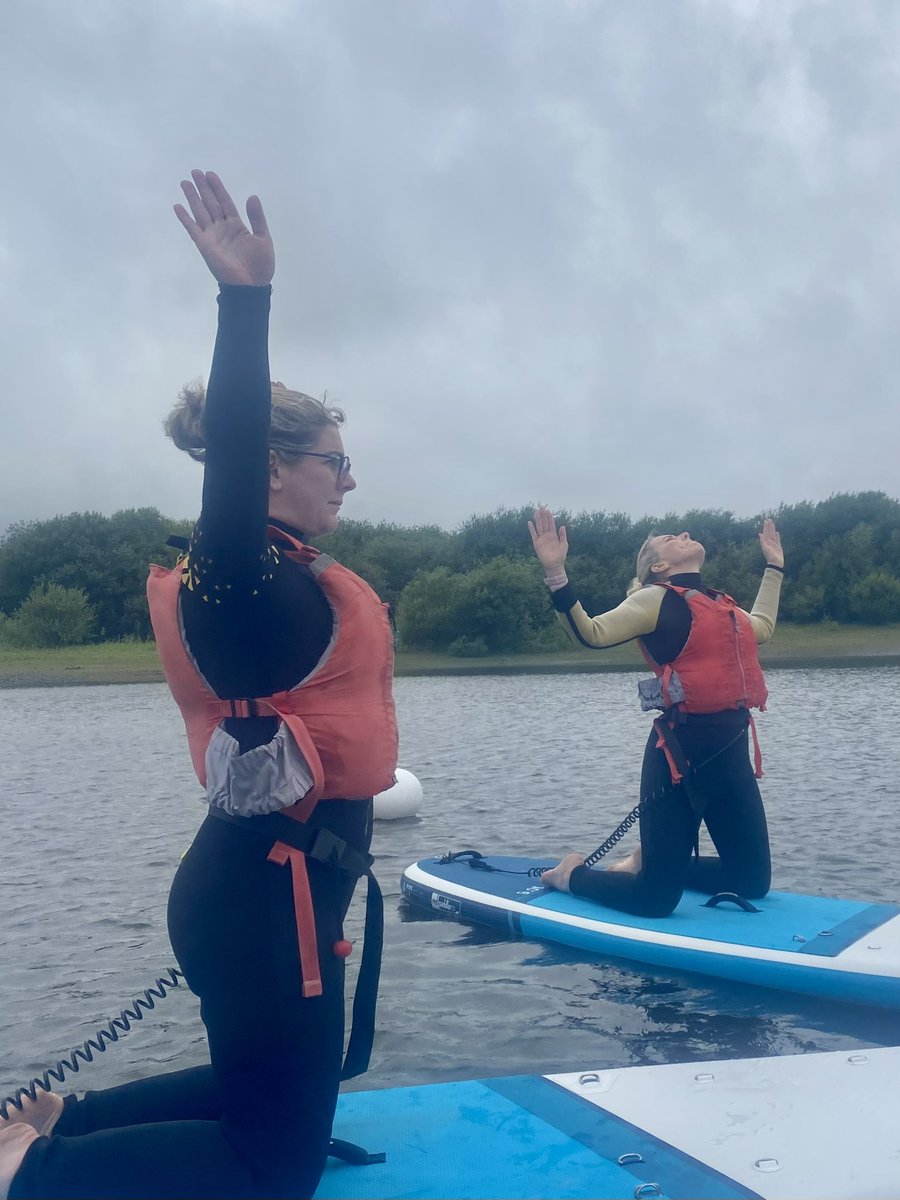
{"type": "Point", "coordinates": [107, 1034]}
{"type": "Point", "coordinates": [682, 775]}
{"type": "Point", "coordinates": [293, 841]}
{"type": "Point", "coordinates": [116, 1028]}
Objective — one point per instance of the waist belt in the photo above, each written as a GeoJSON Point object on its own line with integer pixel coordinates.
{"type": "Point", "coordinates": [292, 842]}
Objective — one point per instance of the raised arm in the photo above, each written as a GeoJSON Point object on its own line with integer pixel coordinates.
{"type": "Point", "coordinates": [230, 537]}
{"type": "Point", "coordinates": [635, 617]}
{"type": "Point", "coordinates": [765, 607]}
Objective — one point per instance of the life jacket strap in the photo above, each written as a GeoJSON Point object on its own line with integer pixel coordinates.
{"type": "Point", "coordinates": [671, 748]}
{"type": "Point", "coordinates": [362, 1029]}
{"type": "Point", "coordinates": [295, 842]}
{"type": "Point", "coordinates": [245, 708]}
{"type": "Point", "coordinates": [757, 753]}
{"type": "Point", "coordinates": [679, 766]}
{"type": "Point", "coordinates": [307, 942]}
{"type": "Point", "coordinates": [315, 842]}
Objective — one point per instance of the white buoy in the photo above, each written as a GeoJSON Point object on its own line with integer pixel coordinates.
{"type": "Point", "coordinates": [401, 800]}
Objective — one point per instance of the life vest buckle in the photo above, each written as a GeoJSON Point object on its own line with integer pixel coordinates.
{"type": "Point", "coordinates": [326, 847]}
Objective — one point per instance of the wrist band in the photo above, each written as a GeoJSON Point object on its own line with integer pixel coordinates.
{"type": "Point", "coordinates": [554, 582]}
{"type": "Point", "coordinates": [772, 567]}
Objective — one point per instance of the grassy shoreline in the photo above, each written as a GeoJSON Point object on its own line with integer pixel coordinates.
{"type": "Point", "coordinates": [137, 662]}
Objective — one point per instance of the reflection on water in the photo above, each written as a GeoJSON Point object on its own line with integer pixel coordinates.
{"type": "Point", "coordinates": [98, 802]}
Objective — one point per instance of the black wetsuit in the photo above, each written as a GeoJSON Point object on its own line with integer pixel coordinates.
{"type": "Point", "coordinates": [716, 744]}
{"type": "Point", "coordinates": [257, 1121]}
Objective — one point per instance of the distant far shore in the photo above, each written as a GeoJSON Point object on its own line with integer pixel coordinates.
{"type": "Point", "coordinates": [825, 645]}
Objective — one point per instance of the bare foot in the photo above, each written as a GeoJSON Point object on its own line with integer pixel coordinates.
{"type": "Point", "coordinates": [15, 1141]}
{"type": "Point", "coordinates": [630, 865]}
{"type": "Point", "coordinates": [558, 876]}
{"type": "Point", "coordinates": [41, 1114]}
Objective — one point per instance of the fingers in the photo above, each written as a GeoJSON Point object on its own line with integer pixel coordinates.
{"type": "Point", "coordinates": [256, 217]}
{"type": "Point", "coordinates": [218, 189]}
{"type": "Point", "coordinates": [196, 205]}
{"type": "Point", "coordinates": [188, 222]}
{"type": "Point", "coordinates": [210, 201]}
{"type": "Point", "coordinates": [207, 195]}
{"type": "Point", "coordinates": [544, 521]}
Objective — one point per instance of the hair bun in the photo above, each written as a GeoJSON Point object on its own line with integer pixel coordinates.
{"type": "Point", "coordinates": [185, 424]}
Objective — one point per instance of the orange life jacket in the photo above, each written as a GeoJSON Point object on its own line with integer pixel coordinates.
{"type": "Point", "coordinates": [719, 666]}
{"type": "Point", "coordinates": [340, 717]}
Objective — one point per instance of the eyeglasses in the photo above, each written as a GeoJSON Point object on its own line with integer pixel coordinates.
{"type": "Point", "coordinates": [340, 462]}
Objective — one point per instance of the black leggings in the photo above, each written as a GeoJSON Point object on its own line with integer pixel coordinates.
{"type": "Point", "coordinates": [256, 1122]}
{"type": "Point", "coordinates": [733, 814]}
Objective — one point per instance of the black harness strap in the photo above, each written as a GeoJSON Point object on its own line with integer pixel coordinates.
{"type": "Point", "coordinates": [362, 1028]}
{"type": "Point", "coordinates": [326, 847]}
{"type": "Point", "coordinates": [675, 752]}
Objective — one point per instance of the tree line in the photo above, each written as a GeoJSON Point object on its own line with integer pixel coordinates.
{"type": "Point", "coordinates": [472, 591]}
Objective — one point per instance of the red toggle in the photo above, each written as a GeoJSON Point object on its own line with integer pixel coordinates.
{"type": "Point", "coordinates": [303, 914]}
{"type": "Point", "coordinates": [342, 949]}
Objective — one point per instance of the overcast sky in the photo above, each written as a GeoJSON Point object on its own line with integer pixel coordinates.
{"type": "Point", "coordinates": [633, 255]}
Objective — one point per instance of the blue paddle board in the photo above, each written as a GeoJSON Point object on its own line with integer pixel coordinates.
{"type": "Point", "coordinates": [689, 1131]}
{"type": "Point", "coordinates": [845, 949]}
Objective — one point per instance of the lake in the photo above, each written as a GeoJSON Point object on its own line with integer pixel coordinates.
{"type": "Point", "coordinates": [98, 802]}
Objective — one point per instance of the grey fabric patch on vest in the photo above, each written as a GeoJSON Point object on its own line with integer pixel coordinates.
{"type": "Point", "coordinates": [320, 564]}
{"type": "Point", "coordinates": [263, 780]}
{"type": "Point", "coordinates": [651, 693]}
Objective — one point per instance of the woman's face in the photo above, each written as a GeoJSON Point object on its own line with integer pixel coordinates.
{"type": "Point", "coordinates": [306, 492]}
{"type": "Point", "coordinates": [676, 553]}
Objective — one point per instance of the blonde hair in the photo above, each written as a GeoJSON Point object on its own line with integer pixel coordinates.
{"type": "Point", "coordinates": [646, 557]}
{"type": "Point", "coordinates": [296, 422]}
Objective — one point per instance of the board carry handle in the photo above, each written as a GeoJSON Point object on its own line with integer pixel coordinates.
{"type": "Point", "coordinates": [730, 898]}
{"type": "Point", "coordinates": [471, 857]}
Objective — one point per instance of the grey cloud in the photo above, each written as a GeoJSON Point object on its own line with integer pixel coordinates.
{"type": "Point", "coordinates": [637, 256]}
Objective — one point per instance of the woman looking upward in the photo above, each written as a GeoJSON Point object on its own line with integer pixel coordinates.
{"type": "Point", "coordinates": [702, 649]}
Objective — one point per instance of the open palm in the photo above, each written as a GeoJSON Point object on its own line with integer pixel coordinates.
{"type": "Point", "coordinates": [551, 545]}
{"type": "Point", "coordinates": [234, 253]}
{"type": "Point", "coordinates": [770, 544]}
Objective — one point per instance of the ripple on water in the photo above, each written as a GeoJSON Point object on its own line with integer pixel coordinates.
{"type": "Point", "coordinates": [96, 818]}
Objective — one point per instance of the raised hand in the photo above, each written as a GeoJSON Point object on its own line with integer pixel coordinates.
{"type": "Point", "coordinates": [234, 253]}
{"type": "Point", "coordinates": [770, 544]}
{"type": "Point", "coordinates": [551, 546]}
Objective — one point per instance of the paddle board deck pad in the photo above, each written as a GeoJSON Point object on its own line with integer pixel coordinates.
{"type": "Point", "coordinates": [844, 949]}
{"type": "Point", "coordinates": [760, 1127]}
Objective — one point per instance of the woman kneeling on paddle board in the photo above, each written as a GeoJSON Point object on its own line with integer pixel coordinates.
{"type": "Point", "coordinates": [702, 649]}
{"type": "Point", "coordinates": [280, 660]}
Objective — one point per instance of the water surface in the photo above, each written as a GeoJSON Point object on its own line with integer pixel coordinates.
{"type": "Point", "coordinates": [98, 802]}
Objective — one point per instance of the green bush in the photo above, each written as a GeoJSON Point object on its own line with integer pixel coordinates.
{"type": "Point", "coordinates": [51, 616]}
{"type": "Point", "coordinates": [804, 603]}
{"type": "Point", "coordinates": [875, 600]}
{"type": "Point", "coordinates": [106, 557]}
{"type": "Point", "coordinates": [468, 647]}
{"type": "Point", "coordinates": [499, 605]}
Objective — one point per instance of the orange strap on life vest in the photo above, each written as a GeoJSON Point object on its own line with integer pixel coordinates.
{"type": "Point", "coordinates": [307, 942]}
{"type": "Point", "coordinates": [757, 753]}
{"type": "Point", "coordinates": [662, 744]}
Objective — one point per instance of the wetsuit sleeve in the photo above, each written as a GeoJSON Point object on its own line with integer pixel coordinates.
{"type": "Point", "coordinates": [765, 607]}
{"type": "Point", "coordinates": [256, 622]}
{"type": "Point", "coordinates": [635, 617]}
{"type": "Point", "coordinates": [230, 540]}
